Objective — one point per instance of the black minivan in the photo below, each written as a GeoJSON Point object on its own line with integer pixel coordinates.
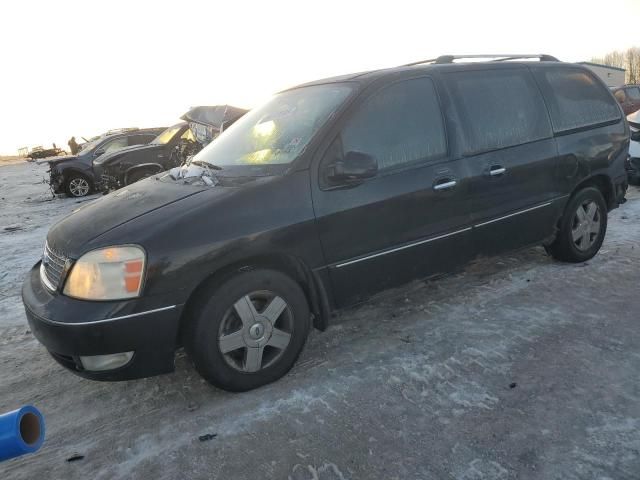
{"type": "Point", "coordinates": [327, 193]}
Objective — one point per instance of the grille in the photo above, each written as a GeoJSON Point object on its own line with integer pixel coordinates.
{"type": "Point", "coordinates": [53, 265]}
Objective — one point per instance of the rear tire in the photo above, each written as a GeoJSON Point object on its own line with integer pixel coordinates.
{"type": "Point", "coordinates": [582, 227]}
{"type": "Point", "coordinates": [248, 331]}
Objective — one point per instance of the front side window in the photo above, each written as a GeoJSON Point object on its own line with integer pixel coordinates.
{"type": "Point", "coordinates": [620, 96]}
{"type": "Point", "coordinates": [398, 126]}
{"type": "Point", "coordinates": [576, 99]}
{"type": "Point", "coordinates": [277, 132]}
{"type": "Point", "coordinates": [115, 144]}
{"type": "Point", "coordinates": [499, 108]}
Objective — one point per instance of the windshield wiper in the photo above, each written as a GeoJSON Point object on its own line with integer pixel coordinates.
{"type": "Point", "coordinates": [207, 165]}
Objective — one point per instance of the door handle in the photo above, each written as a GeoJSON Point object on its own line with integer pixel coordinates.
{"type": "Point", "coordinates": [445, 184]}
{"type": "Point", "coordinates": [497, 170]}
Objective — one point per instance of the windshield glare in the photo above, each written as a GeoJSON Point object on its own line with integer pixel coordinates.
{"type": "Point", "coordinates": [166, 136]}
{"type": "Point", "coordinates": [277, 132]}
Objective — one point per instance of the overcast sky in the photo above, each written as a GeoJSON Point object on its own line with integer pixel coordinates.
{"type": "Point", "coordinates": [80, 68]}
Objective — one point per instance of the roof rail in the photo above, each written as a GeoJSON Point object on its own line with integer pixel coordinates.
{"type": "Point", "coordinates": [496, 58]}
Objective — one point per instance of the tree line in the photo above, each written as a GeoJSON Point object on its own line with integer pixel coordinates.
{"type": "Point", "coordinates": [628, 59]}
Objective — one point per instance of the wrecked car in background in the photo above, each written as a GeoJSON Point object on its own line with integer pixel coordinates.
{"type": "Point", "coordinates": [170, 149]}
{"type": "Point", "coordinates": [40, 152]}
{"type": "Point", "coordinates": [74, 174]}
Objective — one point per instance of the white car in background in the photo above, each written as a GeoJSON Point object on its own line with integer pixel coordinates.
{"type": "Point", "coordinates": [633, 164]}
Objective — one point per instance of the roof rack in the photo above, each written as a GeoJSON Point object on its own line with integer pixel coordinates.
{"type": "Point", "coordinates": [496, 58]}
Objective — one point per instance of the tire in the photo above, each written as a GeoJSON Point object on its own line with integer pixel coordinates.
{"type": "Point", "coordinates": [77, 185]}
{"type": "Point", "coordinates": [139, 175]}
{"type": "Point", "coordinates": [227, 334]}
{"type": "Point", "coordinates": [581, 232]}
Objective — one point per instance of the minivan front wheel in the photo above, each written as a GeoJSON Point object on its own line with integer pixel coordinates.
{"type": "Point", "coordinates": [582, 228]}
{"type": "Point", "coordinates": [249, 331]}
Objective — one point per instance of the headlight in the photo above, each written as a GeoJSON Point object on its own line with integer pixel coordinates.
{"type": "Point", "coordinates": [107, 274]}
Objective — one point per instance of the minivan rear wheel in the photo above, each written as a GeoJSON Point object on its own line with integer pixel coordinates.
{"type": "Point", "coordinates": [582, 227]}
{"type": "Point", "coordinates": [249, 331]}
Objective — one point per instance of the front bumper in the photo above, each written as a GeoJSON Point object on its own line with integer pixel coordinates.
{"type": "Point", "coordinates": [56, 180]}
{"type": "Point", "coordinates": [70, 328]}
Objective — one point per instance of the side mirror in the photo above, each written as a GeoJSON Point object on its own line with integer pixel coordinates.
{"type": "Point", "coordinates": [355, 166]}
{"type": "Point", "coordinates": [98, 152]}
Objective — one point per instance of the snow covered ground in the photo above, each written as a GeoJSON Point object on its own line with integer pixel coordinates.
{"type": "Point", "coordinates": [519, 367]}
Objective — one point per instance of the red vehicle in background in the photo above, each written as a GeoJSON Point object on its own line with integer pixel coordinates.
{"type": "Point", "coordinates": [629, 98]}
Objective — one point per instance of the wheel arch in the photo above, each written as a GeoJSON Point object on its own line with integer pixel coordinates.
{"type": "Point", "coordinates": [603, 183]}
{"type": "Point", "coordinates": [311, 284]}
{"type": "Point", "coordinates": [155, 167]}
{"type": "Point", "coordinates": [67, 172]}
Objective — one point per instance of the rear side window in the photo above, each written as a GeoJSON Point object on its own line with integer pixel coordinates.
{"type": "Point", "coordinates": [576, 99]}
{"type": "Point", "coordinates": [399, 125]}
{"type": "Point", "coordinates": [634, 93]}
{"type": "Point", "coordinates": [140, 139]}
{"type": "Point", "coordinates": [499, 108]}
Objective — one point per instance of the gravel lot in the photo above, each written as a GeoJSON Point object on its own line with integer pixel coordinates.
{"type": "Point", "coordinates": [520, 367]}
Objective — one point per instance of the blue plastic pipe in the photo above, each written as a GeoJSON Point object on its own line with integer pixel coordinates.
{"type": "Point", "coordinates": [21, 431]}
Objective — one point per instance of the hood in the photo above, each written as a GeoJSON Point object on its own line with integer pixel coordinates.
{"type": "Point", "coordinates": [217, 116]}
{"type": "Point", "coordinates": [70, 235]}
{"type": "Point", "coordinates": [56, 160]}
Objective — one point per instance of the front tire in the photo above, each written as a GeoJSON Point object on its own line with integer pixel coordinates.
{"type": "Point", "coordinates": [582, 227]}
{"type": "Point", "coordinates": [77, 185]}
{"type": "Point", "coordinates": [249, 331]}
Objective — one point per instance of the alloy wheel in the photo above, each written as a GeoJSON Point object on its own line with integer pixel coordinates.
{"type": "Point", "coordinates": [255, 331]}
{"type": "Point", "coordinates": [586, 225]}
{"type": "Point", "coordinates": [79, 187]}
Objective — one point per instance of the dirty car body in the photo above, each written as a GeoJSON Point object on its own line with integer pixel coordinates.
{"type": "Point", "coordinates": [330, 192]}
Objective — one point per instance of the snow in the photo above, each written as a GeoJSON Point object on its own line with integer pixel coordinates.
{"type": "Point", "coordinates": [414, 383]}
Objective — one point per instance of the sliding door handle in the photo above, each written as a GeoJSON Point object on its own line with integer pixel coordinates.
{"type": "Point", "coordinates": [445, 184]}
{"type": "Point", "coordinates": [497, 170]}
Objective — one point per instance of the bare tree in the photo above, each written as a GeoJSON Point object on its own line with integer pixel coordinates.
{"type": "Point", "coordinates": [633, 65]}
{"type": "Point", "coordinates": [628, 59]}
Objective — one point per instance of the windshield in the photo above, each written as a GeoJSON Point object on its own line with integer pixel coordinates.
{"type": "Point", "coordinates": [277, 132]}
{"type": "Point", "coordinates": [87, 147]}
{"type": "Point", "coordinates": [166, 136]}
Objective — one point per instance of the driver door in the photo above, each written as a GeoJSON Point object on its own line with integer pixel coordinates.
{"type": "Point", "coordinates": [409, 221]}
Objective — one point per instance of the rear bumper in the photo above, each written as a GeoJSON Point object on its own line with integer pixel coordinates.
{"type": "Point", "coordinates": [70, 328]}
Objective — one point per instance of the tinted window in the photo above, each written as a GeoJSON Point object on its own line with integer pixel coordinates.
{"type": "Point", "coordinates": [140, 139]}
{"type": "Point", "coordinates": [634, 93]}
{"type": "Point", "coordinates": [577, 100]}
{"type": "Point", "coordinates": [499, 108]}
{"type": "Point", "coordinates": [399, 125]}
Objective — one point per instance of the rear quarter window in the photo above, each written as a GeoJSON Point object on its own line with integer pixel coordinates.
{"type": "Point", "coordinates": [576, 99]}
{"type": "Point", "coordinates": [499, 108]}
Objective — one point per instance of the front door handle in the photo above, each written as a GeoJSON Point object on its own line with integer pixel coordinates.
{"type": "Point", "coordinates": [497, 170]}
{"type": "Point", "coordinates": [445, 184]}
